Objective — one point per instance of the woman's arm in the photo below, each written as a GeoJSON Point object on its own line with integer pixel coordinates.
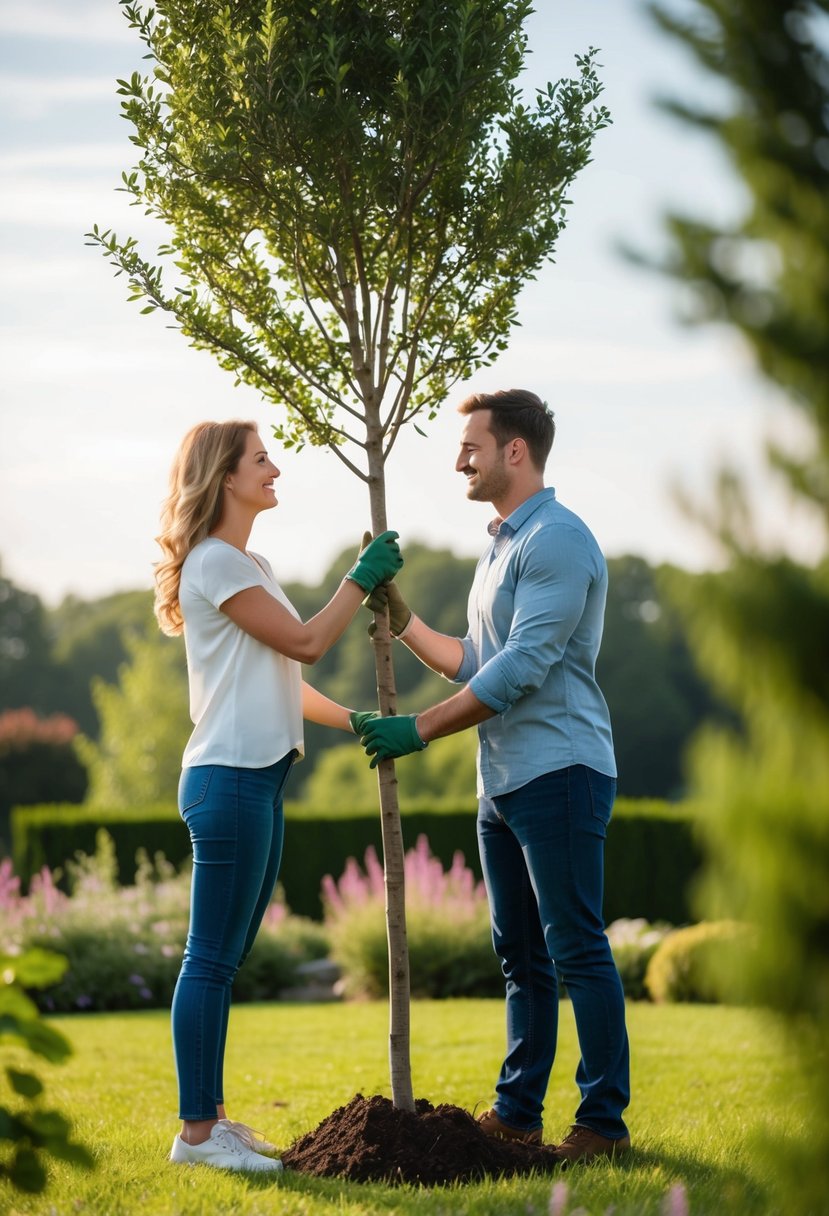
{"type": "Point", "coordinates": [262, 616]}
{"type": "Point", "coordinates": [316, 707]}
{"type": "Point", "coordinates": [257, 612]}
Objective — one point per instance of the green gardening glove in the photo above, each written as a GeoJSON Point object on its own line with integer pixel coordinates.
{"type": "Point", "coordinates": [388, 738]}
{"type": "Point", "coordinates": [400, 614]}
{"type": "Point", "coordinates": [358, 721]}
{"type": "Point", "coordinates": [378, 562]}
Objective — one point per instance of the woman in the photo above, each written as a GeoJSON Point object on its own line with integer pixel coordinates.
{"type": "Point", "coordinates": [245, 644]}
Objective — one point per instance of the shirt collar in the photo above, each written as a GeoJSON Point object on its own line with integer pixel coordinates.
{"type": "Point", "coordinates": [510, 525]}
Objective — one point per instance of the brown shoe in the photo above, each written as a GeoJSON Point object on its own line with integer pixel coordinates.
{"type": "Point", "coordinates": [583, 1144]}
{"type": "Point", "coordinates": [491, 1125]}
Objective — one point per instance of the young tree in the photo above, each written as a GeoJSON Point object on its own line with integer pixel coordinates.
{"type": "Point", "coordinates": [763, 629]}
{"type": "Point", "coordinates": [355, 192]}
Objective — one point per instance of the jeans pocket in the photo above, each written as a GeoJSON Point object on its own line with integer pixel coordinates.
{"type": "Point", "coordinates": [283, 781]}
{"type": "Point", "coordinates": [193, 787]}
{"type": "Point", "coordinates": [601, 791]}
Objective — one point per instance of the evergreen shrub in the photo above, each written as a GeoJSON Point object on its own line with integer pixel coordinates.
{"type": "Point", "coordinates": [701, 962]}
{"type": "Point", "coordinates": [651, 860]}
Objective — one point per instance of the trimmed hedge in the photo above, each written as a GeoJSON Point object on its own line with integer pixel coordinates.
{"type": "Point", "coordinates": [651, 858]}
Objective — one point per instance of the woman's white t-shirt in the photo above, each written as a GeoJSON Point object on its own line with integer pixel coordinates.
{"type": "Point", "coordinates": [245, 699]}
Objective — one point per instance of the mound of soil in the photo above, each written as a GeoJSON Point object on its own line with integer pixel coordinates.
{"type": "Point", "coordinates": [369, 1141]}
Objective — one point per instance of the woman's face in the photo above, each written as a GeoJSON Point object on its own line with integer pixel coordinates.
{"type": "Point", "coordinates": [251, 484]}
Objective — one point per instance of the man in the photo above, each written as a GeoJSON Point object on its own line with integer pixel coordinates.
{"type": "Point", "coordinates": [546, 769]}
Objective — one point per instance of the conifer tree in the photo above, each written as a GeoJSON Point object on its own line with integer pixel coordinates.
{"type": "Point", "coordinates": [762, 629]}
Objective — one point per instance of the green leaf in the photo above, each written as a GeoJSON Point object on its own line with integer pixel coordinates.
{"type": "Point", "coordinates": [50, 1124]}
{"type": "Point", "coordinates": [11, 1128]}
{"type": "Point", "coordinates": [26, 1171]}
{"type": "Point", "coordinates": [15, 1008]}
{"type": "Point", "coordinates": [24, 1083]}
{"type": "Point", "coordinates": [35, 968]}
{"type": "Point", "coordinates": [74, 1154]}
{"type": "Point", "coordinates": [44, 1041]}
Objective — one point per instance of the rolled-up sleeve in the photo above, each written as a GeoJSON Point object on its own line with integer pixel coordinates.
{"type": "Point", "coordinates": [553, 578]}
{"type": "Point", "coordinates": [469, 663]}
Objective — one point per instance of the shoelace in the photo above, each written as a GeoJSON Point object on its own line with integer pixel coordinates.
{"type": "Point", "coordinates": [229, 1142]}
{"type": "Point", "coordinates": [249, 1138]}
{"type": "Point", "coordinates": [576, 1134]}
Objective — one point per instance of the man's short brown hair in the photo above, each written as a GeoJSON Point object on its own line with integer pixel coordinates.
{"type": "Point", "coordinates": [517, 413]}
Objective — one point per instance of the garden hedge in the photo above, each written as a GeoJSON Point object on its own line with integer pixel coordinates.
{"type": "Point", "coordinates": [652, 854]}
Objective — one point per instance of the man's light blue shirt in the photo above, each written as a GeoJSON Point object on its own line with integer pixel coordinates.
{"type": "Point", "coordinates": [536, 613]}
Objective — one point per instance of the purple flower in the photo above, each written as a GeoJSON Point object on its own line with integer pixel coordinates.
{"type": "Point", "coordinates": [83, 1001]}
{"type": "Point", "coordinates": [145, 994]}
{"type": "Point", "coordinates": [138, 980]}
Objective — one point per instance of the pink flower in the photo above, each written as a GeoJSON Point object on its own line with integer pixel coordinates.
{"type": "Point", "coordinates": [427, 884]}
{"type": "Point", "coordinates": [558, 1199]}
{"type": "Point", "coordinates": [675, 1202]}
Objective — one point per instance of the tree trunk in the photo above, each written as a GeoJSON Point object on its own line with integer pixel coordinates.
{"type": "Point", "coordinates": [394, 877]}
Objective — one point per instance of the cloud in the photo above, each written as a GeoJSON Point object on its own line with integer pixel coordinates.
{"type": "Point", "coordinates": [58, 202]}
{"type": "Point", "coordinates": [98, 21]}
{"type": "Point", "coordinates": [67, 156]}
{"type": "Point", "coordinates": [599, 362]}
{"type": "Point", "coordinates": [28, 97]}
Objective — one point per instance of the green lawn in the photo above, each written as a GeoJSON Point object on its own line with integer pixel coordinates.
{"type": "Point", "coordinates": [706, 1080]}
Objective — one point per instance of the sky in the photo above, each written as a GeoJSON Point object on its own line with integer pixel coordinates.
{"type": "Point", "coordinates": [94, 398]}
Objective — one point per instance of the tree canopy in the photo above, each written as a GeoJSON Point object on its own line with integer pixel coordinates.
{"type": "Point", "coordinates": [355, 194]}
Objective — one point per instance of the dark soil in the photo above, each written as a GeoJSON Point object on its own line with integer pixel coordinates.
{"type": "Point", "coordinates": [369, 1141]}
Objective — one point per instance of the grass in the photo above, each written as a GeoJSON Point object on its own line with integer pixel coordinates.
{"type": "Point", "coordinates": [706, 1081]}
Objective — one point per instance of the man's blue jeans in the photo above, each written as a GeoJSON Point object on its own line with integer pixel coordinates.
{"type": "Point", "coordinates": [235, 820]}
{"type": "Point", "coordinates": [542, 851]}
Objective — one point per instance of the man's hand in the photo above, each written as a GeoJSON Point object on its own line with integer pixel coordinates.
{"type": "Point", "coordinates": [359, 720]}
{"type": "Point", "coordinates": [378, 562]}
{"type": "Point", "coordinates": [388, 738]}
{"type": "Point", "coordinates": [400, 614]}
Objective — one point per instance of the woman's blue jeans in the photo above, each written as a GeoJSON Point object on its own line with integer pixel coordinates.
{"type": "Point", "coordinates": [542, 851]}
{"type": "Point", "coordinates": [234, 816]}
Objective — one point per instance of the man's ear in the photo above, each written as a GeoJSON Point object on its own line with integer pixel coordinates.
{"type": "Point", "coordinates": [516, 450]}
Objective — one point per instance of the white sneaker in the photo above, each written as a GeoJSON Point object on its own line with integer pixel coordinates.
{"type": "Point", "coordinates": [249, 1137]}
{"type": "Point", "coordinates": [224, 1151]}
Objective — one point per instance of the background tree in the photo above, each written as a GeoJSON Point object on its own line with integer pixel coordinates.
{"type": "Point", "coordinates": [88, 641]}
{"type": "Point", "coordinates": [25, 650]}
{"type": "Point", "coordinates": [145, 724]}
{"type": "Point", "coordinates": [762, 629]}
{"type": "Point", "coordinates": [37, 764]}
{"type": "Point", "coordinates": [355, 194]}
{"type": "Point", "coordinates": [650, 678]}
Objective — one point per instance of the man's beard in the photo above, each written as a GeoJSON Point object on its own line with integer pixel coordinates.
{"type": "Point", "coordinates": [490, 487]}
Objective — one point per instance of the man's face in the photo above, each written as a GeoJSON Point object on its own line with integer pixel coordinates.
{"type": "Point", "coordinates": [481, 461]}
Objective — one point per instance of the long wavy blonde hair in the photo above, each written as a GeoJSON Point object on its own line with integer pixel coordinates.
{"type": "Point", "coordinates": [193, 508]}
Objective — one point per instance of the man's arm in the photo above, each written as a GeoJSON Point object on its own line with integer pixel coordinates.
{"type": "Point", "coordinates": [448, 717]}
{"type": "Point", "coordinates": [400, 735]}
{"type": "Point", "coordinates": [444, 654]}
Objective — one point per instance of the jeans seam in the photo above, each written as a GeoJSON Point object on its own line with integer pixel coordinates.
{"type": "Point", "coordinates": [531, 1011]}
